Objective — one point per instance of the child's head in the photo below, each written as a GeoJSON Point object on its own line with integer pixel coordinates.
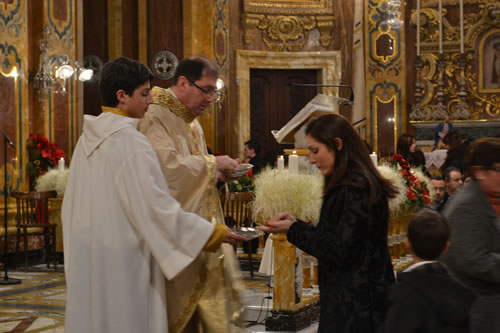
{"type": "Point", "coordinates": [120, 78]}
{"type": "Point", "coordinates": [428, 234]}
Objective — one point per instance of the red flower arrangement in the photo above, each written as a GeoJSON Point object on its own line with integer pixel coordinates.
{"type": "Point", "coordinates": [417, 193]}
{"type": "Point", "coordinates": [42, 155]}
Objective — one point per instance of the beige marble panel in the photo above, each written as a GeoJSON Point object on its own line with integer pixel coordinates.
{"type": "Point", "coordinates": [284, 274]}
{"type": "Point", "coordinates": [328, 63]}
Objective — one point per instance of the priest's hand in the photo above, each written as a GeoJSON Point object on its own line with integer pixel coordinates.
{"type": "Point", "coordinates": [279, 223]}
{"type": "Point", "coordinates": [226, 163]}
{"type": "Point", "coordinates": [233, 238]}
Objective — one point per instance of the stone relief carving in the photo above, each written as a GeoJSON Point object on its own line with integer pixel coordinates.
{"type": "Point", "coordinates": [285, 25]}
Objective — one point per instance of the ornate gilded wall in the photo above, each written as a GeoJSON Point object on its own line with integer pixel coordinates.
{"type": "Point", "coordinates": [481, 33]}
{"type": "Point", "coordinates": [385, 72]}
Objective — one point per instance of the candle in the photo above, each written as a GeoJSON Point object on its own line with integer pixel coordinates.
{"type": "Point", "coordinates": [293, 163]}
{"type": "Point", "coordinates": [281, 163]}
{"type": "Point", "coordinates": [440, 9]}
{"type": "Point", "coordinates": [60, 164]}
{"type": "Point", "coordinates": [461, 26]}
{"type": "Point", "coordinates": [418, 27]}
{"type": "Point", "coordinates": [373, 157]}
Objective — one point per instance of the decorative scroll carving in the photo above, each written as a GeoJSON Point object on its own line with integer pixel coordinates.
{"type": "Point", "coordinates": [285, 25]}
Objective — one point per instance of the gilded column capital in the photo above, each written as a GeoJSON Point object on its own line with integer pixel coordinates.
{"type": "Point", "coordinates": [325, 27]}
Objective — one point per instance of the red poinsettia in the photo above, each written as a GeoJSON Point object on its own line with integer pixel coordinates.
{"type": "Point", "coordinates": [42, 155]}
{"type": "Point", "coordinates": [418, 193]}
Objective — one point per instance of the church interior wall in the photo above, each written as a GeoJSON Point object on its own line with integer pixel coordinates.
{"type": "Point", "coordinates": [217, 28]}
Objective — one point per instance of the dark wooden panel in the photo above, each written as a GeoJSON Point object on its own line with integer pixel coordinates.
{"type": "Point", "coordinates": [273, 102]}
{"type": "Point", "coordinates": [130, 36]}
{"type": "Point", "coordinates": [385, 128]}
{"type": "Point", "coordinates": [164, 31]}
{"type": "Point", "coordinates": [95, 42]}
{"type": "Point", "coordinates": [61, 108]}
{"type": "Point", "coordinates": [7, 117]}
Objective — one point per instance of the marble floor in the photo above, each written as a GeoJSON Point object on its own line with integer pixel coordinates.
{"type": "Point", "coordinates": [37, 303]}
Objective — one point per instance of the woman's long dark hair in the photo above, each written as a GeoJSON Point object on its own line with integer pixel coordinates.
{"type": "Point", "coordinates": [403, 146]}
{"type": "Point", "coordinates": [352, 157]}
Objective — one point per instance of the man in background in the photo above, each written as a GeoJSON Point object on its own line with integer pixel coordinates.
{"type": "Point", "coordinates": [252, 155]}
{"type": "Point", "coordinates": [439, 192]}
{"type": "Point", "coordinates": [453, 180]}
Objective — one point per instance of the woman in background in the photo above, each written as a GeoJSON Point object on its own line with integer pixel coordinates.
{"type": "Point", "coordinates": [407, 147]}
{"type": "Point", "coordinates": [350, 239]}
{"type": "Point", "coordinates": [456, 147]}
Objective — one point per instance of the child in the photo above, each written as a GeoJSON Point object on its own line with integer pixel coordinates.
{"type": "Point", "coordinates": [426, 298]}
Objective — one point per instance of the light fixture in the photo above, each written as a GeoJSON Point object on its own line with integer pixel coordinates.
{"type": "Point", "coordinates": [55, 69]}
{"type": "Point", "coordinates": [219, 91]}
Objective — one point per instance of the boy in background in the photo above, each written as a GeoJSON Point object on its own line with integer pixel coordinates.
{"type": "Point", "coordinates": [426, 298]}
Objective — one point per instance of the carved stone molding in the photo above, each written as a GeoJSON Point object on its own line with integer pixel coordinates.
{"type": "Point", "coordinates": [434, 3]}
{"type": "Point", "coordinates": [285, 25]}
{"type": "Point", "coordinates": [291, 7]}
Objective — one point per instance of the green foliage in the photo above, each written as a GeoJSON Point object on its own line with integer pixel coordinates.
{"type": "Point", "coordinates": [243, 184]}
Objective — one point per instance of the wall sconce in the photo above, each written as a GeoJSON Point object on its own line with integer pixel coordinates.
{"type": "Point", "coordinates": [55, 69]}
{"type": "Point", "coordinates": [219, 91]}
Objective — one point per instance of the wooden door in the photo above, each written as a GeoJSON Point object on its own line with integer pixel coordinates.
{"type": "Point", "coordinates": [273, 102]}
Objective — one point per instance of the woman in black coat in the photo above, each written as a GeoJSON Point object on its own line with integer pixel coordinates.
{"type": "Point", "coordinates": [350, 239]}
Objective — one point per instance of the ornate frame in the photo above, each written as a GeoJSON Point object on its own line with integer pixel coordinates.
{"type": "Point", "coordinates": [327, 62]}
{"type": "Point", "coordinates": [486, 41]}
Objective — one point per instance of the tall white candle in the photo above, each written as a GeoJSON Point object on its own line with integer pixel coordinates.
{"type": "Point", "coordinates": [418, 27]}
{"type": "Point", "coordinates": [440, 9]}
{"type": "Point", "coordinates": [373, 157]}
{"type": "Point", "coordinates": [293, 163]}
{"type": "Point", "coordinates": [461, 26]}
{"type": "Point", "coordinates": [60, 164]}
{"type": "Point", "coordinates": [281, 163]}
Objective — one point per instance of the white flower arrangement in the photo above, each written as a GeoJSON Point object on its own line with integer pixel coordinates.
{"type": "Point", "coordinates": [53, 180]}
{"type": "Point", "coordinates": [397, 181]}
{"type": "Point", "coordinates": [299, 194]}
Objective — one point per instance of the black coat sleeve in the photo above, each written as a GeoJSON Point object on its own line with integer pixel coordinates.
{"type": "Point", "coordinates": [339, 238]}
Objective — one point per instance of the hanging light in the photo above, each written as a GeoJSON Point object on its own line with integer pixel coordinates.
{"type": "Point", "coordinates": [55, 69]}
{"type": "Point", "coordinates": [64, 72]}
{"type": "Point", "coordinates": [85, 74]}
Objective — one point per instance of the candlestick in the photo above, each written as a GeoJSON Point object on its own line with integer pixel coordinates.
{"type": "Point", "coordinates": [281, 163]}
{"type": "Point", "coordinates": [418, 27]}
{"type": "Point", "coordinates": [461, 26]}
{"type": "Point", "coordinates": [293, 163]}
{"type": "Point", "coordinates": [60, 164]}
{"type": "Point", "coordinates": [373, 157]}
{"type": "Point", "coordinates": [440, 9]}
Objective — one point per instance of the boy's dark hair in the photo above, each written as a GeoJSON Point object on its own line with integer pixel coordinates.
{"type": "Point", "coordinates": [193, 68]}
{"type": "Point", "coordinates": [437, 178]}
{"type": "Point", "coordinates": [428, 232]}
{"type": "Point", "coordinates": [253, 145]}
{"type": "Point", "coordinates": [121, 74]}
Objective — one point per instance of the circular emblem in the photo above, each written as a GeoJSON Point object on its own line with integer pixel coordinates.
{"type": "Point", "coordinates": [164, 64]}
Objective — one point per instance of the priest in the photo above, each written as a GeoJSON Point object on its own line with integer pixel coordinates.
{"type": "Point", "coordinates": [207, 294]}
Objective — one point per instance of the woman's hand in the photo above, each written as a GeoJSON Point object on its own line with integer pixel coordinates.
{"type": "Point", "coordinates": [279, 223]}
